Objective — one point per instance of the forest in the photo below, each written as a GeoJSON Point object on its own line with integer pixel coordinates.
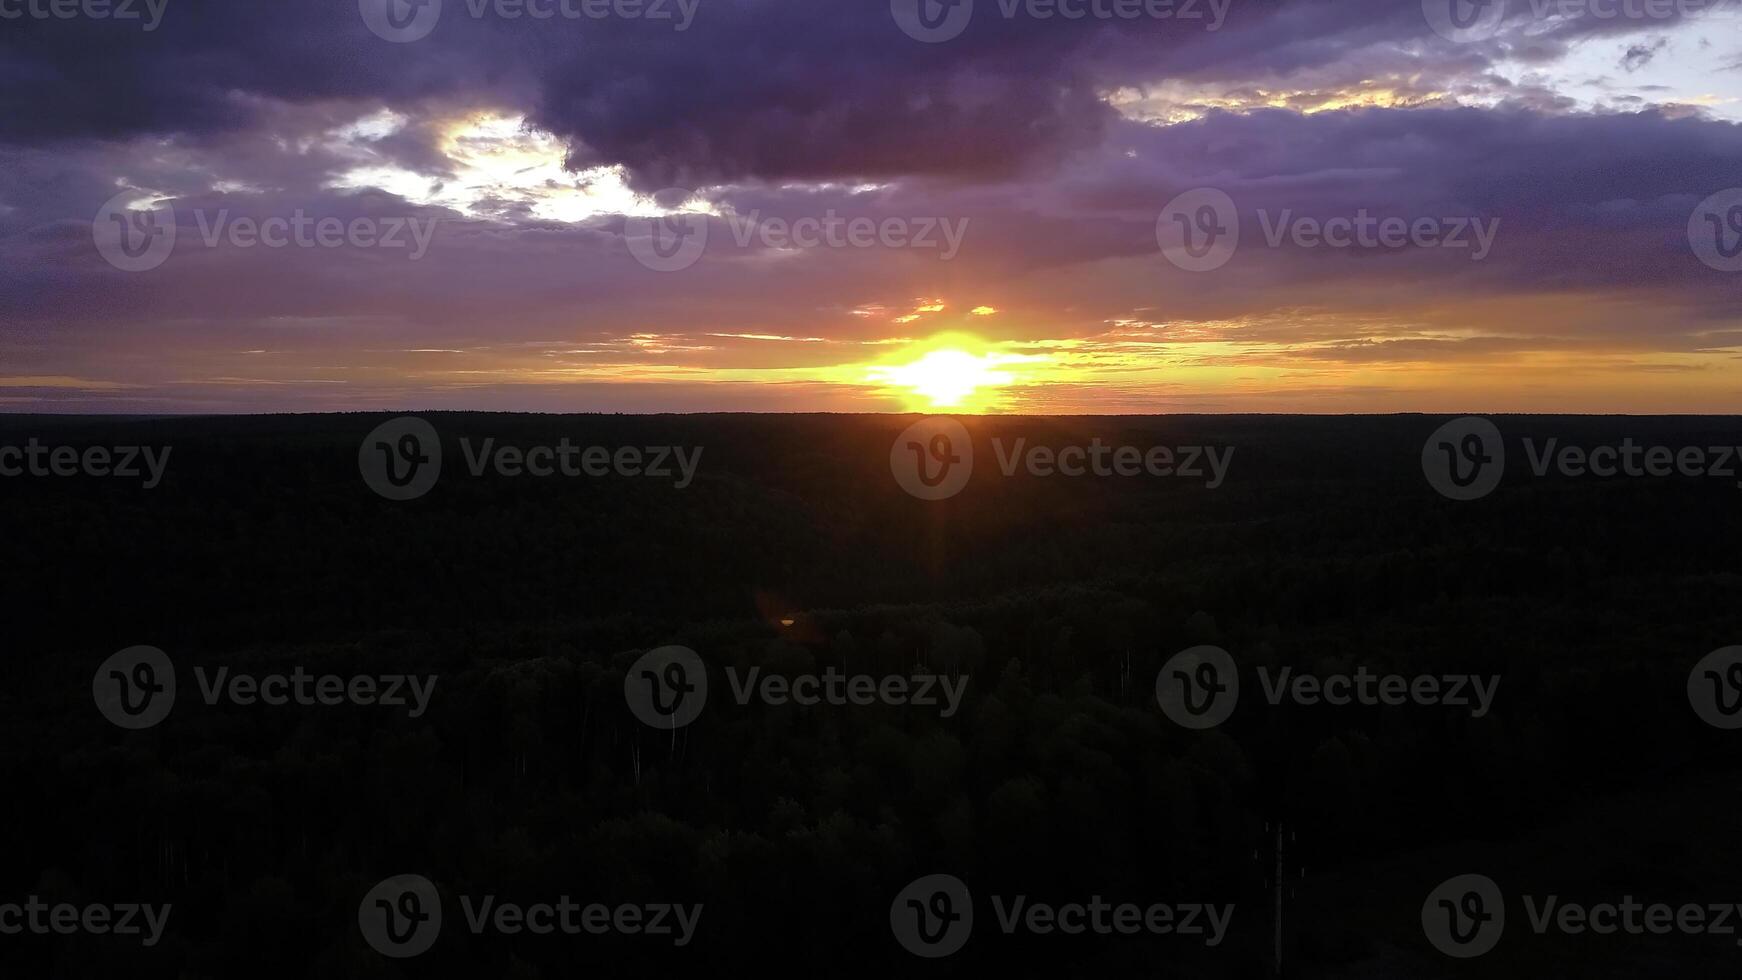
{"type": "Point", "coordinates": [1051, 603]}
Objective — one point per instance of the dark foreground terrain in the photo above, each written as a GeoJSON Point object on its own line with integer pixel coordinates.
{"type": "Point", "coordinates": [1051, 602]}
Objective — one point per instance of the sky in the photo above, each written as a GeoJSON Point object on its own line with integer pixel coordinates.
{"type": "Point", "coordinates": [1025, 206]}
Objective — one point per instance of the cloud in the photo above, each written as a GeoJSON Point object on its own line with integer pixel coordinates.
{"type": "Point", "coordinates": [1054, 144]}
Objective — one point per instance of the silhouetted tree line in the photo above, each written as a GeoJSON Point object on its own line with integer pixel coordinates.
{"type": "Point", "coordinates": [1058, 599]}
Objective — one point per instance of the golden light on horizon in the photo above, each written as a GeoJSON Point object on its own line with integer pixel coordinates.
{"type": "Point", "coordinates": [945, 373]}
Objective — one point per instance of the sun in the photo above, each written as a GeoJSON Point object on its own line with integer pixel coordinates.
{"type": "Point", "coordinates": [945, 376]}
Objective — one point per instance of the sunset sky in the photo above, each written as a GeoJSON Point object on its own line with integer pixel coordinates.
{"type": "Point", "coordinates": [547, 150]}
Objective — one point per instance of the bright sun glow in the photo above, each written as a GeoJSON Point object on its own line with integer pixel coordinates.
{"type": "Point", "coordinates": [947, 377]}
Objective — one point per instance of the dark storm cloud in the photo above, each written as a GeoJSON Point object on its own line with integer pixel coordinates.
{"type": "Point", "coordinates": [752, 89]}
{"type": "Point", "coordinates": [207, 65]}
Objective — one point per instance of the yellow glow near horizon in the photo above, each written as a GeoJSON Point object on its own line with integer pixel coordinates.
{"type": "Point", "coordinates": [945, 378]}
{"type": "Point", "coordinates": [944, 373]}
